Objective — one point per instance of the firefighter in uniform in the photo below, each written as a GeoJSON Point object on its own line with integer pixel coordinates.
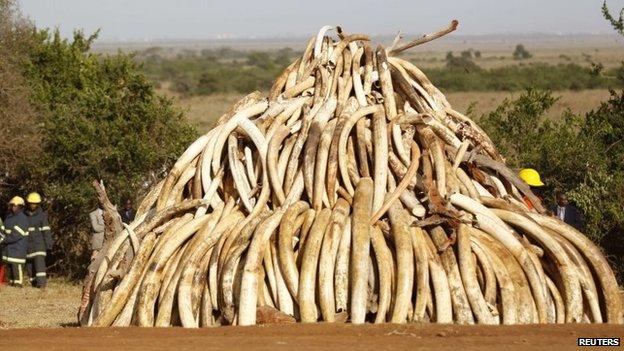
{"type": "Point", "coordinates": [1, 252]}
{"type": "Point", "coordinates": [39, 240]}
{"type": "Point", "coordinates": [15, 241]}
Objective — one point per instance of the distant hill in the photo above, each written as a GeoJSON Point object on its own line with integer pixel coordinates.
{"type": "Point", "coordinates": [490, 42]}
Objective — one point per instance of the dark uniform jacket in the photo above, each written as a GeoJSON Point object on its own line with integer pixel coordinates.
{"type": "Point", "coordinates": [127, 216]}
{"type": "Point", "coordinates": [16, 238]}
{"type": "Point", "coordinates": [572, 216]}
{"type": "Point", "coordinates": [39, 234]}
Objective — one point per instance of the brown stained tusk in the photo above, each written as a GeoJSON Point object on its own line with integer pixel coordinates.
{"type": "Point", "coordinates": [342, 143]}
{"type": "Point", "coordinates": [321, 165]}
{"type": "Point", "coordinates": [272, 155]}
{"type": "Point", "coordinates": [309, 265]}
{"type": "Point", "coordinates": [280, 82]}
{"type": "Point", "coordinates": [327, 260]}
{"type": "Point", "coordinates": [405, 262]}
{"type": "Point", "coordinates": [385, 81]}
{"type": "Point", "coordinates": [285, 247]}
{"type": "Point", "coordinates": [403, 184]}
{"type": "Point", "coordinates": [426, 38]}
{"type": "Point", "coordinates": [253, 262]}
{"type": "Point", "coordinates": [380, 163]}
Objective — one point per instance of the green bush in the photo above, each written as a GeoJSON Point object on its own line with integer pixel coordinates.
{"type": "Point", "coordinates": [218, 71]}
{"type": "Point", "coordinates": [520, 53]}
{"type": "Point", "coordinates": [100, 120]}
{"type": "Point", "coordinates": [462, 74]}
{"type": "Point", "coordinates": [77, 116]}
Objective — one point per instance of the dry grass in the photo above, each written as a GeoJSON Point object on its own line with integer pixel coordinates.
{"type": "Point", "coordinates": [501, 56]}
{"type": "Point", "coordinates": [579, 102]}
{"type": "Point", "coordinates": [205, 110]}
{"type": "Point", "coordinates": [55, 306]}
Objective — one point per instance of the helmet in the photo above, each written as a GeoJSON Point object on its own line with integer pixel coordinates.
{"type": "Point", "coordinates": [16, 200]}
{"type": "Point", "coordinates": [531, 177]}
{"type": "Point", "coordinates": [33, 198]}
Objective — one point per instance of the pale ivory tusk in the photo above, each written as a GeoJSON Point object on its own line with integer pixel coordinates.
{"type": "Point", "coordinates": [249, 284]}
{"type": "Point", "coordinates": [360, 229]}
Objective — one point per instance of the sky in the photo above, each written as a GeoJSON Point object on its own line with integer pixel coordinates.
{"type": "Point", "coordinates": [197, 19]}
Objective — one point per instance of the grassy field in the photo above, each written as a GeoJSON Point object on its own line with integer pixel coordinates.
{"type": "Point", "coordinates": [500, 56]}
{"type": "Point", "coordinates": [205, 110]}
{"type": "Point", "coordinates": [27, 307]}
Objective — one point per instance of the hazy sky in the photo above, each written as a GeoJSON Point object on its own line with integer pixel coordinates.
{"type": "Point", "coordinates": [197, 19]}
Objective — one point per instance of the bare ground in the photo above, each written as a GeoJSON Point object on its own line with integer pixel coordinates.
{"type": "Point", "coordinates": [311, 337]}
{"type": "Point", "coordinates": [27, 307]}
{"type": "Point", "coordinates": [56, 307]}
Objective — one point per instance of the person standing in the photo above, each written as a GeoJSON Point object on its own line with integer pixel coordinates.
{"type": "Point", "coordinates": [567, 212]}
{"type": "Point", "coordinates": [97, 224]}
{"type": "Point", "coordinates": [39, 240]}
{"type": "Point", "coordinates": [533, 179]}
{"type": "Point", "coordinates": [127, 213]}
{"type": "Point", "coordinates": [2, 269]}
{"type": "Point", "coordinates": [16, 241]}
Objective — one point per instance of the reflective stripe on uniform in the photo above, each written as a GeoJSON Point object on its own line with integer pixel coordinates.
{"type": "Point", "coordinates": [21, 274]}
{"type": "Point", "coordinates": [8, 231]}
{"type": "Point", "coordinates": [14, 260]}
{"type": "Point", "coordinates": [41, 274]}
{"type": "Point", "coordinates": [21, 231]}
{"type": "Point", "coordinates": [31, 229]}
{"type": "Point", "coordinates": [36, 253]}
{"type": "Point", "coordinates": [44, 228]}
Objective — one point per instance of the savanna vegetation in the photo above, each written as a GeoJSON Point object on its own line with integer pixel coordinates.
{"type": "Point", "coordinates": [226, 70]}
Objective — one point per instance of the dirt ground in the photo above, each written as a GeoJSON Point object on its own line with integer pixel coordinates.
{"type": "Point", "coordinates": [27, 307]}
{"type": "Point", "coordinates": [54, 310]}
{"type": "Point", "coordinates": [311, 337]}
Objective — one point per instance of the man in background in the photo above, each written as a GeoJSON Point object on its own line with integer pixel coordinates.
{"type": "Point", "coordinates": [1, 252]}
{"type": "Point", "coordinates": [127, 212]}
{"type": "Point", "coordinates": [15, 241]}
{"type": "Point", "coordinates": [97, 224]}
{"type": "Point", "coordinates": [567, 212]}
{"type": "Point", "coordinates": [39, 240]}
{"type": "Point", "coordinates": [533, 179]}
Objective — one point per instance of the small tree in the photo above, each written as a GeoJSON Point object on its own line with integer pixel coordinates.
{"type": "Point", "coordinates": [467, 54]}
{"type": "Point", "coordinates": [616, 23]}
{"type": "Point", "coordinates": [521, 53]}
{"type": "Point", "coordinates": [19, 138]}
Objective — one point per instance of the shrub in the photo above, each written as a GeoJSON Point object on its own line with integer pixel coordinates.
{"type": "Point", "coordinates": [520, 53]}
{"type": "Point", "coordinates": [102, 120]}
{"type": "Point", "coordinates": [72, 116]}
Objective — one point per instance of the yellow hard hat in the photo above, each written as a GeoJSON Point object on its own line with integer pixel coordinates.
{"type": "Point", "coordinates": [16, 200]}
{"type": "Point", "coordinates": [531, 177]}
{"type": "Point", "coordinates": [33, 198]}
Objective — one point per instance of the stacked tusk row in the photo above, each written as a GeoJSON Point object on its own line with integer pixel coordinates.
{"type": "Point", "coordinates": [354, 192]}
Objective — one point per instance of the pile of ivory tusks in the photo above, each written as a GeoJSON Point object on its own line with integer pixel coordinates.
{"type": "Point", "coordinates": [354, 192]}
